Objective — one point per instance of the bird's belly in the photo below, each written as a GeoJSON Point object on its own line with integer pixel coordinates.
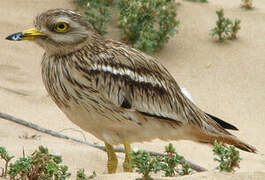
{"type": "Point", "coordinates": [116, 129]}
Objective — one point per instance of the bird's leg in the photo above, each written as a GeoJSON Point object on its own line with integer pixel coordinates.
{"type": "Point", "coordinates": [112, 159]}
{"type": "Point", "coordinates": [126, 163]}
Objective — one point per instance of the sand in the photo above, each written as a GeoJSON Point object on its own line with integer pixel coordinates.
{"type": "Point", "coordinates": [224, 79]}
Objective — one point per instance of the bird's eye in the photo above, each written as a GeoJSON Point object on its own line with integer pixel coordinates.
{"type": "Point", "coordinates": [61, 27]}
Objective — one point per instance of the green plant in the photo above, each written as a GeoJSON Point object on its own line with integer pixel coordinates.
{"type": "Point", "coordinates": [97, 13]}
{"type": "Point", "coordinates": [144, 163]}
{"type": "Point", "coordinates": [147, 24]}
{"type": "Point", "coordinates": [247, 4]}
{"type": "Point", "coordinates": [7, 158]}
{"type": "Point", "coordinates": [225, 29]}
{"type": "Point", "coordinates": [185, 170]}
{"type": "Point", "coordinates": [40, 165]}
{"type": "Point", "coordinates": [170, 163]}
{"type": "Point", "coordinates": [235, 28]}
{"type": "Point", "coordinates": [227, 157]}
{"type": "Point", "coordinates": [80, 175]}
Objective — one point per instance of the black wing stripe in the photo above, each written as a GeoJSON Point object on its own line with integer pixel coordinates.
{"type": "Point", "coordinates": [223, 123]}
{"type": "Point", "coordinates": [160, 117]}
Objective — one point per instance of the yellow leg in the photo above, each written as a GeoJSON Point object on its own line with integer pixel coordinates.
{"type": "Point", "coordinates": [126, 163]}
{"type": "Point", "coordinates": [112, 159]}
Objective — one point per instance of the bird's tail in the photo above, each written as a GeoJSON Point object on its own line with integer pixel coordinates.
{"type": "Point", "coordinates": [227, 139]}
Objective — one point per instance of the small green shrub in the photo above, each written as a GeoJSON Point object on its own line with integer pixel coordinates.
{"type": "Point", "coordinates": [97, 13]}
{"type": "Point", "coordinates": [227, 157]}
{"type": "Point", "coordinates": [247, 4]}
{"type": "Point", "coordinates": [144, 163]}
{"type": "Point", "coordinates": [40, 165]}
{"type": "Point", "coordinates": [225, 29]}
{"type": "Point", "coordinates": [186, 170]}
{"type": "Point", "coordinates": [80, 175]}
{"type": "Point", "coordinates": [147, 24]}
{"type": "Point", "coordinates": [7, 158]}
{"type": "Point", "coordinates": [170, 164]}
{"type": "Point", "coordinates": [235, 28]}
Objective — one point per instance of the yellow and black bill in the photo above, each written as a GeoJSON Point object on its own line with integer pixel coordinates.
{"type": "Point", "coordinates": [29, 34]}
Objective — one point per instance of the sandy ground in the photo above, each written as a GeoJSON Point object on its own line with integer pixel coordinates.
{"type": "Point", "coordinates": [225, 79]}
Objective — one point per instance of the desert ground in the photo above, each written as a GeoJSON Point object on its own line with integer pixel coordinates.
{"type": "Point", "coordinates": [224, 79]}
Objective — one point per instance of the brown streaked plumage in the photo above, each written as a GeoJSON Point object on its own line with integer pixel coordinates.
{"type": "Point", "coordinates": [115, 92]}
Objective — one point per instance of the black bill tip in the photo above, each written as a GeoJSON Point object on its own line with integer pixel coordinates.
{"type": "Point", "coordinates": [15, 37]}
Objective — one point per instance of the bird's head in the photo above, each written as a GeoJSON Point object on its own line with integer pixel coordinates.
{"type": "Point", "coordinates": [58, 31]}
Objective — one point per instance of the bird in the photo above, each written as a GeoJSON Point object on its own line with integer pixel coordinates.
{"type": "Point", "coordinates": [115, 92]}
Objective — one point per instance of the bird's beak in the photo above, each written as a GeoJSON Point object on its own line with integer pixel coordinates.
{"type": "Point", "coordinates": [29, 34]}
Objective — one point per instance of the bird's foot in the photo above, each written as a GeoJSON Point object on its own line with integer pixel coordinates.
{"type": "Point", "coordinates": [126, 164]}
{"type": "Point", "coordinates": [112, 159]}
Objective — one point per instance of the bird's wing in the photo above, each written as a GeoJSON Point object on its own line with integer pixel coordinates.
{"type": "Point", "coordinates": [136, 81]}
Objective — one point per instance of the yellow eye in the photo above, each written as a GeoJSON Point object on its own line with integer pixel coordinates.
{"type": "Point", "coordinates": [61, 27]}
